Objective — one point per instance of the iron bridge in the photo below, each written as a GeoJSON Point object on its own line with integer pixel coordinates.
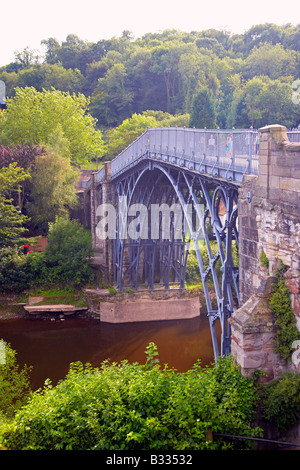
{"type": "Point", "coordinates": [199, 171]}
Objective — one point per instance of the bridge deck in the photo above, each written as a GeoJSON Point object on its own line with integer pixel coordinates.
{"type": "Point", "coordinates": [224, 154]}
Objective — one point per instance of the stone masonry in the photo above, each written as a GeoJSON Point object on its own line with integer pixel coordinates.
{"type": "Point", "coordinates": [269, 232]}
{"type": "Point", "coordinates": [103, 249]}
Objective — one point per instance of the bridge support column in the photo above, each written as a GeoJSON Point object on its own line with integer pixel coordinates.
{"type": "Point", "coordinates": [269, 233]}
{"type": "Point", "coordinates": [103, 252]}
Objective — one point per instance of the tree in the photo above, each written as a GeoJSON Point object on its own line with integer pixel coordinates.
{"type": "Point", "coordinates": [27, 57]}
{"type": "Point", "coordinates": [24, 157]}
{"type": "Point", "coordinates": [53, 190]}
{"type": "Point", "coordinates": [33, 116]}
{"type": "Point", "coordinates": [11, 220]}
{"type": "Point", "coordinates": [127, 132]}
{"type": "Point", "coordinates": [270, 101]}
{"type": "Point", "coordinates": [272, 61]}
{"type": "Point", "coordinates": [203, 112]}
{"type": "Point", "coordinates": [111, 100]}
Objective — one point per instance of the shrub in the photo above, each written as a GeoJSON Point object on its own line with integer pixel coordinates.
{"type": "Point", "coordinates": [192, 269]}
{"type": "Point", "coordinates": [14, 383]}
{"type": "Point", "coordinates": [15, 271]}
{"type": "Point", "coordinates": [137, 407]}
{"type": "Point", "coordinates": [68, 253]}
{"type": "Point", "coordinates": [281, 402]}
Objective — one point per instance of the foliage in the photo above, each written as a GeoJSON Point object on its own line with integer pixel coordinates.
{"type": "Point", "coordinates": [280, 304]}
{"type": "Point", "coordinates": [33, 116]}
{"type": "Point", "coordinates": [23, 155]}
{"type": "Point", "coordinates": [133, 407]}
{"type": "Point", "coordinates": [127, 132]}
{"type": "Point", "coordinates": [203, 110]}
{"type": "Point", "coordinates": [11, 220]}
{"type": "Point", "coordinates": [65, 262]}
{"type": "Point", "coordinates": [14, 383]}
{"type": "Point", "coordinates": [67, 255]}
{"type": "Point", "coordinates": [192, 269]}
{"type": "Point", "coordinates": [53, 191]}
{"type": "Point", "coordinates": [264, 260]}
{"type": "Point", "coordinates": [164, 71]}
{"type": "Point", "coordinates": [16, 273]}
{"type": "Point", "coordinates": [281, 401]}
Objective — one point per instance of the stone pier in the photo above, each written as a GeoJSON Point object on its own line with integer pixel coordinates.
{"type": "Point", "coordinates": [103, 249]}
{"type": "Point", "coordinates": [143, 305]}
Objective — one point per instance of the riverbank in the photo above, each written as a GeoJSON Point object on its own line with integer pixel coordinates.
{"type": "Point", "coordinates": [12, 305]}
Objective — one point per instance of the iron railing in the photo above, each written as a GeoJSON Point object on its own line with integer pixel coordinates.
{"type": "Point", "coordinates": [227, 154]}
{"type": "Point", "coordinates": [221, 153]}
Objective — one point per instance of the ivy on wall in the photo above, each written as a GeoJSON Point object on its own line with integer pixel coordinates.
{"type": "Point", "coordinates": [280, 304]}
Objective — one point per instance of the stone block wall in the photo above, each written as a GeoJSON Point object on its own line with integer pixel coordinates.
{"type": "Point", "coordinates": [103, 249]}
{"type": "Point", "coordinates": [269, 233]}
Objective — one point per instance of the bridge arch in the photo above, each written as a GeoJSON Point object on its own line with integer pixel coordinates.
{"type": "Point", "coordinates": [213, 239]}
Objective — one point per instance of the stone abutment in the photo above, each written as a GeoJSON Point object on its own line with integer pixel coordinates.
{"type": "Point", "coordinates": [269, 234]}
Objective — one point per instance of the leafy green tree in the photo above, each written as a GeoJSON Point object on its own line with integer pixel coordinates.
{"type": "Point", "coordinates": [13, 275]}
{"type": "Point", "coordinates": [161, 71]}
{"type": "Point", "coordinates": [271, 61]}
{"type": "Point", "coordinates": [27, 57]}
{"type": "Point", "coordinates": [111, 100]}
{"type": "Point", "coordinates": [203, 112]}
{"type": "Point", "coordinates": [24, 157]}
{"type": "Point", "coordinates": [53, 191]}
{"type": "Point", "coordinates": [268, 101]}
{"type": "Point", "coordinates": [67, 80]}
{"type": "Point", "coordinates": [11, 220]}
{"type": "Point", "coordinates": [127, 132]}
{"type": "Point", "coordinates": [33, 116]}
{"type": "Point", "coordinates": [165, 62]}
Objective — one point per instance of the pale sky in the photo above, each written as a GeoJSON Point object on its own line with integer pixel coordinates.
{"type": "Point", "coordinates": [26, 22]}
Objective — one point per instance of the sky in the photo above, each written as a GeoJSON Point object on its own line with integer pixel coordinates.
{"type": "Point", "coordinates": [25, 23]}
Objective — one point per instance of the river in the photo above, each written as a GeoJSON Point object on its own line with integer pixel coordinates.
{"type": "Point", "coordinates": [50, 346]}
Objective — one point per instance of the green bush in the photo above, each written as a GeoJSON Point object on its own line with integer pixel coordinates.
{"type": "Point", "coordinates": [14, 383]}
{"type": "Point", "coordinates": [134, 407]}
{"type": "Point", "coordinates": [287, 331]}
{"type": "Point", "coordinates": [15, 271]}
{"type": "Point", "coordinates": [68, 252]}
{"type": "Point", "coordinates": [281, 402]}
{"type": "Point", "coordinates": [192, 269]}
{"type": "Point", "coordinates": [65, 261]}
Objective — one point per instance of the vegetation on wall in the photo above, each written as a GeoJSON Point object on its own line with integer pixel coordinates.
{"type": "Point", "coordinates": [281, 401]}
{"type": "Point", "coordinates": [280, 304]}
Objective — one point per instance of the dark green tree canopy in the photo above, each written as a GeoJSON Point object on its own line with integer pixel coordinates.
{"type": "Point", "coordinates": [164, 71]}
{"type": "Point", "coordinates": [203, 112]}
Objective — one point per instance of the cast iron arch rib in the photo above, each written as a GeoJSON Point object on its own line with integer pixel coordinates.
{"type": "Point", "coordinates": [157, 182]}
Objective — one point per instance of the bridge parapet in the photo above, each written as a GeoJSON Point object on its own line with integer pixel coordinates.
{"type": "Point", "coordinates": [221, 153]}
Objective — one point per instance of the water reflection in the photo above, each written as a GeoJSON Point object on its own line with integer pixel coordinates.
{"type": "Point", "coordinates": [51, 346]}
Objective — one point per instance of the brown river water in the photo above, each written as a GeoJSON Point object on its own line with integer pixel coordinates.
{"type": "Point", "coordinates": [50, 346]}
